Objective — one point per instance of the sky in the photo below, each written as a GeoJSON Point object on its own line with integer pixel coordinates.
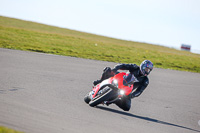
{"type": "Point", "coordinates": [161, 22]}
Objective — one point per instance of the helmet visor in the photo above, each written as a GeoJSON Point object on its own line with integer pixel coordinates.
{"type": "Point", "coordinates": [147, 70]}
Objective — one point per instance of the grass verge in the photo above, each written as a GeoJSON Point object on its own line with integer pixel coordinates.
{"type": "Point", "coordinates": [8, 130]}
{"type": "Point", "coordinates": [30, 36]}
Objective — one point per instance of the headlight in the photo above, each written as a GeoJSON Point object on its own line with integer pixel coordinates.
{"type": "Point", "coordinates": [121, 92]}
{"type": "Point", "coordinates": [115, 83]}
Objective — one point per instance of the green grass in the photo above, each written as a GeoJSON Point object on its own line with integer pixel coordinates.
{"type": "Point", "coordinates": [7, 130]}
{"type": "Point", "coordinates": [30, 36]}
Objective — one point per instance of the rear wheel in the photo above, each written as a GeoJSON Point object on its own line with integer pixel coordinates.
{"type": "Point", "coordinates": [101, 97]}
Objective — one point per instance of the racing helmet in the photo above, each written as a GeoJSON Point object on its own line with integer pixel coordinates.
{"type": "Point", "coordinates": [146, 67]}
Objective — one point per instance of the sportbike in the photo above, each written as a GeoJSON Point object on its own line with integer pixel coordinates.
{"type": "Point", "coordinates": [111, 90]}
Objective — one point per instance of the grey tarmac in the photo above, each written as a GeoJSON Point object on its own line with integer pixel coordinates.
{"type": "Point", "coordinates": [43, 93]}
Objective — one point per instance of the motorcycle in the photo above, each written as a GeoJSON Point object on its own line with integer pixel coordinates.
{"type": "Point", "coordinates": [111, 89]}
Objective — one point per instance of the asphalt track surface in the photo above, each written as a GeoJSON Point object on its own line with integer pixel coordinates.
{"type": "Point", "coordinates": [42, 93]}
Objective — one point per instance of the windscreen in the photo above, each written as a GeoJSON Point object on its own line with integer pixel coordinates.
{"type": "Point", "coordinates": [128, 79]}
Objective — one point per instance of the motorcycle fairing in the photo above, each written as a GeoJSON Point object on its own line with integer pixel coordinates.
{"type": "Point", "coordinates": [108, 82]}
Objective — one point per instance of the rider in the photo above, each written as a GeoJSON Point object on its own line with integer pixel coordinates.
{"type": "Point", "coordinates": [140, 72]}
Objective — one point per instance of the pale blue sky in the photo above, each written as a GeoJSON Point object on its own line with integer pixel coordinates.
{"type": "Point", "coordinates": [164, 22]}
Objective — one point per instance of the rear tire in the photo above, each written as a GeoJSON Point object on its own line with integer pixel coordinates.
{"type": "Point", "coordinates": [99, 99]}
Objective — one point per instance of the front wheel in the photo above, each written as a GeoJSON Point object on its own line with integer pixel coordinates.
{"type": "Point", "coordinates": [101, 97]}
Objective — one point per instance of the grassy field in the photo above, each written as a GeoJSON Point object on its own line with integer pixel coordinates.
{"type": "Point", "coordinates": [30, 36]}
{"type": "Point", "coordinates": [7, 130]}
